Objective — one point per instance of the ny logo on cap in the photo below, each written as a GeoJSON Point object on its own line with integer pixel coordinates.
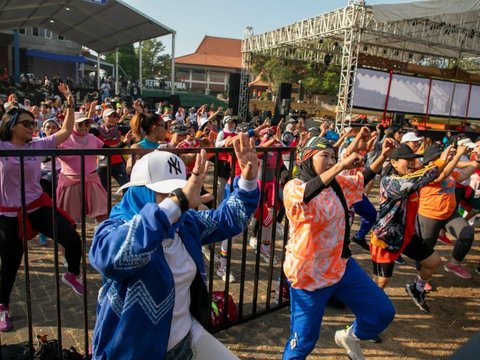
{"type": "Point", "coordinates": [174, 165]}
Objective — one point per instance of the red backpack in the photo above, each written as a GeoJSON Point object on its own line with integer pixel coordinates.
{"type": "Point", "coordinates": [216, 312]}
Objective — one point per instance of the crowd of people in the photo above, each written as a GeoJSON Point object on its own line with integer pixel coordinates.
{"type": "Point", "coordinates": [142, 242]}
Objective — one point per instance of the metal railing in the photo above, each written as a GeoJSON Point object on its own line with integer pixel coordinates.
{"type": "Point", "coordinates": [252, 293]}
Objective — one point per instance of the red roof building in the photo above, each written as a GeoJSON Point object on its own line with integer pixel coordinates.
{"type": "Point", "coordinates": [209, 67]}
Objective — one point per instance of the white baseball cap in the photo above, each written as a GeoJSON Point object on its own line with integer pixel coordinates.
{"type": "Point", "coordinates": [160, 171]}
{"type": "Point", "coordinates": [410, 136]}
{"type": "Point", "coordinates": [108, 112]}
{"type": "Point", "coordinates": [466, 142]}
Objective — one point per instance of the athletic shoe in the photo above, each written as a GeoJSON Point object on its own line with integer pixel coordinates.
{"type": "Point", "coordinates": [444, 239]}
{"type": "Point", "coordinates": [265, 254]}
{"type": "Point", "coordinates": [5, 322]}
{"type": "Point", "coordinates": [418, 297]}
{"type": "Point", "coordinates": [345, 339]}
{"type": "Point", "coordinates": [361, 242]}
{"type": "Point", "coordinates": [376, 339]}
{"type": "Point", "coordinates": [74, 281]}
{"type": "Point", "coordinates": [428, 287]}
{"type": "Point", "coordinates": [400, 261]}
{"type": "Point", "coordinates": [253, 242]}
{"type": "Point", "coordinates": [458, 270]}
{"type": "Point", "coordinates": [222, 273]}
{"type": "Point", "coordinates": [206, 253]}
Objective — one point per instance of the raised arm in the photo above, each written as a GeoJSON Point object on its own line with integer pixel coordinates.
{"type": "Point", "coordinates": [67, 126]}
{"type": "Point", "coordinates": [91, 109]}
{"type": "Point", "coordinates": [353, 146]}
{"type": "Point", "coordinates": [451, 156]}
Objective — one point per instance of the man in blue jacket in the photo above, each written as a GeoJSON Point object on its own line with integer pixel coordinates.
{"type": "Point", "coordinates": [154, 304]}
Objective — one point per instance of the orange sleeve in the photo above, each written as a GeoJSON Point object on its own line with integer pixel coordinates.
{"type": "Point", "coordinates": [352, 187]}
{"type": "Point", "coordinates": [293, 200]}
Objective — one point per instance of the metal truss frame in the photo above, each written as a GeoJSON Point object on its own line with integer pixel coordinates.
{"type": "Point", "coordinates": [345, 33]}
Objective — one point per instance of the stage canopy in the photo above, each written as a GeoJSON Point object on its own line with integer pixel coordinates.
{"type": "Point", "coordinates": [438, 38]}
{"type": "Point", "coordinates": [100, 25]}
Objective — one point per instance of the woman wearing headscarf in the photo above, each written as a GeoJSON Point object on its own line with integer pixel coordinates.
{"type": "Point", "coordinates": [318, 263]}
{"type": "Point", "coordinates": [154, 304]}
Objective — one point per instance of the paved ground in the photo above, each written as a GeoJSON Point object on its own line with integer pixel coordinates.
{"type": "Point", "coordinates": [413, 335]}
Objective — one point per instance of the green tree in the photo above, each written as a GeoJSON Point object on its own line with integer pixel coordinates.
{"type": "Point", "coordinates": [316, 78]}
{"type": "Point", "coordinates": [155, 64]}
{"type": "Point", "coordinates": [127, 59]}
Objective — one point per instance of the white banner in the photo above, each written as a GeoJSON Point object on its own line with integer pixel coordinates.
{"type": "Point", "coordinates": [408, 94]}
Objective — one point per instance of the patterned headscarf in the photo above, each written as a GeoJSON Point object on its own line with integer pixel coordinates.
{"type": "Point", "coordinates": [313, 145]}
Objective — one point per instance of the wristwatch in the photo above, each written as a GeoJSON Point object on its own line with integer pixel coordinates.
{"type": "Point", "coordinates": [182, 199]}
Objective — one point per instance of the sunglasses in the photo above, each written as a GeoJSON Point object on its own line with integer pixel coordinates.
{"type": "Point", "coordinates": [27, 123]}
{"type": "Point", "coordinates": [85, 123]}
{"type": "Point", "coordinates": [160, 124]}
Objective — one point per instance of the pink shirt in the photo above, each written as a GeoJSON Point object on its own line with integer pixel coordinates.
{"type": "Point", "coordinates": [10, 185]}
{"type": "Point", "coordinates": [71, 164]}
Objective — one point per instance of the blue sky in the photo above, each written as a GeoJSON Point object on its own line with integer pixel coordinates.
{"type": "Point", "coordinates": [193, 19]}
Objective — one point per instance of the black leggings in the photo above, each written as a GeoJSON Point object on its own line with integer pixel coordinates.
{"type": "Point", "coordinates": [11, 246]}
{"type": "Point", "coordinates": [455, 225]}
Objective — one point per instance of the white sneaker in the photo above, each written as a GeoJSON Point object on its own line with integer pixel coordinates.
{"type": "Point", "coordinates": [265, 253]}
{"type": "Point", "coordinates": [222, 273]}
{"type": "Point", "coordinates": [345, 339]}
{"type": "Point", "coordinates": [253, 242]}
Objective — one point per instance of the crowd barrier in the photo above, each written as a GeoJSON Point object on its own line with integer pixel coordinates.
{"type": "Point", "coordinates": [256, 292]}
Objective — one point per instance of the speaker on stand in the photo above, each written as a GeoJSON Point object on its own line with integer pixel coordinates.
{"type": "Point", "coordinates": [234, 92]}
{"type": "Point", "coordinates": [398, 119]}
{"type": "Point", "coordinates": [282, 105]}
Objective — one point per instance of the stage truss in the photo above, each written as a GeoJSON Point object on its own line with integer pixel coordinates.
{"type": "Point", "coordinates": [354, 32]}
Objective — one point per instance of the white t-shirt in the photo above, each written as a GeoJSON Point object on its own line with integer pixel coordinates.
{"type": "Point", "coordinates": [183, 269]}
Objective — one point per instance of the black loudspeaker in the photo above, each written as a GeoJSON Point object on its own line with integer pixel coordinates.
{"type": "Point", "coordinates": [174, 100]}
{"type": "Point", "coordinates": [398, 119]}
{"type": "Point", "coordinates": [234, 92]}
{"type": "Point", "coordinates": [282, 105]}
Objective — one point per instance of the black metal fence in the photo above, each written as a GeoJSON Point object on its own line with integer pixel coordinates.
{"type": "Point", "coordinates": [258, 291]}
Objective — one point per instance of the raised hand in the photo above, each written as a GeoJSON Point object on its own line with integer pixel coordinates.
{"type": "Point", "coordinates": [354, 160]}
{"type": "Point", "coordinates": [93, 103]}
{"type": "Point", "coordinates": [448, 153]}
{"type": "Point", "coordinates": [129, 137]}
{"type": "Point", "coordinates": [364, 131]}
{"type": "Point", "coordinates": [246, 156]}
{"type": "Point", "coordinates": [387, 146]}
{"type": "Point", "coordinates": [462, 150]}
{"type": "Point", "coordinates": [64, 89]}
{"type": "Point", "coordinates": [195, 182]}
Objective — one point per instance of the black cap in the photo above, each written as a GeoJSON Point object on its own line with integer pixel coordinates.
{"type": "Point", "coordinates": [432, 152]}
{"type": "Point", "coordinates": [403, 152]}
{"type": "Point", "coordinates": [179, 129]}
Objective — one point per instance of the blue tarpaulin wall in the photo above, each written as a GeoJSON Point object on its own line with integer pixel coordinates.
{"type": "Point", "coordinates": [58, 57]}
